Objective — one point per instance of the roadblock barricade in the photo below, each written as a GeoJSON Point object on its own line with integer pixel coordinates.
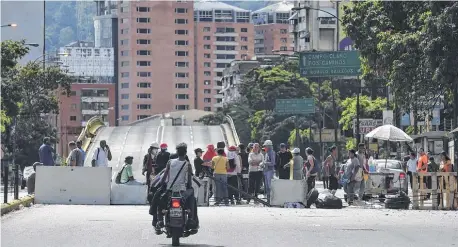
{"type": "Point", "coordinates": [286, 191]}
{"type": "Point", "coordinates": [73, 185]}
{"type": "Point", "coordinates": [379, 183]}
{"type": "Point", "coordinates": [442, 188]}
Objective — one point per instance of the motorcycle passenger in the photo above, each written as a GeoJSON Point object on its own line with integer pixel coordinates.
{"type": "Point", "coordinates": [269, 167]}
{"type": "Point", "coordinates": [149, 163]}
{"type": "Point", "coordinates": [162, 158]}
{"type": "Point", "coordinates": [183, 184]}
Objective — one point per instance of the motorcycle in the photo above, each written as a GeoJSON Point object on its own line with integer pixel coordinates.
{"type": "Point", "coordinates": [176, 217]}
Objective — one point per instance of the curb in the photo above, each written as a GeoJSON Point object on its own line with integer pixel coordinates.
{"type": "Point", "coordinates": [25, 201]}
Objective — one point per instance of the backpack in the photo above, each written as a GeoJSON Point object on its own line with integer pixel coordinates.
{"type": "Point", "coordinates": [232, 165]}
{"type": "Point", "coordinates": [118, 175]}
{"type": "Point", "coordinates": [316, 167]}
{"type": "Point", "coordinates": [358, 175]}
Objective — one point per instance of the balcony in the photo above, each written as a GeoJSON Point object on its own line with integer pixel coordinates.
{"type": "Point", "coordinates": [84, 123]}
{"type": "Point", "coordinates": [226, 34]}
{"type": "Point", "coordinates": [226, 43]}
{"type": "Point", "coordinates": [95, 112]}
{"type": "Point", "coordinates": [225, 52]}
{"type": "Point", "coordinates": [223, 60]}
{"type": "Point", "coordinates": [218, 69]}
{"type": "Point", "coordinates": [218, 96]}
{"type": "Point", "coordinates": [218, 104]}
{"type": "Point", "coordinates": [95, 99]}
{"type": "Point", "coordinates": [259, 36]}
{"type": "Point", "coordinates": [258, 45]}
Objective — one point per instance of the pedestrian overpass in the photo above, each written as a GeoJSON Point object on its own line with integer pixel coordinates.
{"type": "Point", "coordinates": [171, 128]}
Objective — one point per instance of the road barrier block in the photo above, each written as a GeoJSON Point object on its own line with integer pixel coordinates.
{"type": "Point", "coordinates": [122, 194]}
{"type": "Point", "coordinates": [73, 185]}
{"type": "Point", "coordinates": [285, 191]}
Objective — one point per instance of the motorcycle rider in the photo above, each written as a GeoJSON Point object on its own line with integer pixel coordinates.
{"type": "Point", "coordinates": [149, 163]}
{"type": "Point", "coordinates": [183, 184]}
{"type": "Point", "coordinates": [162, 158]}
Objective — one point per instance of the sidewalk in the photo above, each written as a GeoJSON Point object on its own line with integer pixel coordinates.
{"type": "Point", "coordinates": [22, 193]}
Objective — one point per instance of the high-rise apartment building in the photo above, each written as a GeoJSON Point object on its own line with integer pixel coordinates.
{"type": "Point", "coordinates": [223, 33]}
{"type": "Point", "coordinates": [272, 34]}
{"type": "Point", "coordinates": [156, 58]}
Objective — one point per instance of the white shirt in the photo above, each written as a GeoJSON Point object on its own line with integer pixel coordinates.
{"type": "Point", "coordinates": [412, 165]}
{"type": "Point", "coordinates": [101, 159]}
{"type": "Point", "coordinates": [255, 158]}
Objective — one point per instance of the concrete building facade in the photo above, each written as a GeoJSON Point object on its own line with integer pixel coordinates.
{"type": "Point", "coordinates": [272, 34]}
{"type": "Point", "coordinates": [223, 33]}
{"type": "Point", "coordinates": [314, 29]}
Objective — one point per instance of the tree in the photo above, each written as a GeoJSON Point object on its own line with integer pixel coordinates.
{"type": "Point", "coordinates": [35, 94]}
{"type": "Point", "coordinates": [368, 109]}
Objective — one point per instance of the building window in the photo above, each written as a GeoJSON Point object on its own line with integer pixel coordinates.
{"type": "Point", "coordinates": [73, 107]}
{"type": "Point", "coordinates": [207, 73]}
{"type": "Point", "coordinates": [144, 85]}
{"type": "Point", "coordinates": [181, 10]}
{"type": "Point", "coordinates": [143, 41]}
{"type": "Point", "coordinates": [207, 55]}
{"type": "Point", "coordinates": [207, 47]}
{"type": "Point", "coordinates": [207, 100]}
{"type": "Point", "coordinates": [125, 63]}
{"type": "Point", "coordinates": [124, 42]}
{"type": "Point", "coordinates": [124, 53]}
{"type": "Point", "coordinates": [124, 9]}
{"type": "Point", "coordinates": [181, 42]}
{"type": "Point", "coordinates": [225, 39]}
{"type": "Point", "coordinates": [72, 118]}
{"type": "Point", "coordinates": [207, 108]}
{"type": "Point", "coordinates": [225, 56]}
{"type": "Point", "coordinates": [243, 38]}
{"type": "Point", "coordinates": [225, 47]}
{"type": "Point", "coordinates": [181, 53]}
{"type": "Point", "coordinates": [244, 30]}
{"type": "Point", "coordinates": [143, 96]}
{"type": "Point", "coordinates": [207, 91]}
{"type": "Point", "coordinates": [207, 65]}
{"type": "Point", "coordinates": [124, 107]}
{"type": "Point", "coordinates": [182, 107]}
{"type": "Point", "coordinates": [221, 65]}
{"type": "Point", "coordinates": [207, 38]}
{"type": "Point", "coordinates": [124, 20]}
{"type": "Point", "coordinates": [182, 64]}
{"type": "Point", "coordinates": [143, 63]}
{"type": "Point", "coordinates": [140, 117]}
{"type": "Point", "coordinates": [124, 96]}
{"type": "Point", "coordinates": [125, 85]}
{"type": "Point", "coordinates": [182, 85]}
{"type": "Point", "coordinates": [244, 48]}
{"type": "Point", "coordinates": [283, 48]}
{"type": "Point", "coordinates": [144, 74]}
{"type": "Point", "coordinates": [244, 56]}
{"type": "Point", "coordinates": [283, 31]}
{"type": "Point", "coordinates": [125, 118]}
{"type": "Point", "coordinates": [143, 9]}
{"type": "Point", "coordinates": [219, 74]}
{"type": "Point", "coordinates": [243, 17]}
{"type": "Point", "coordinates": [283, 40]}
{"type": "Point", "coordinates": [181, 96]}
{"type": "Point", "coordinates": [181, 32]}
{"type": "Point", "coordinates": [181, 75]}
{"type": "Point", "coordinates": [125, 31]}
{"type": "Point", "coordinates": [207, 82]}
{"type": "Point", "coordinates": [206, 29]}
{"type": "Point", "coordinates": [225, 30]}
{"type": "Point", "coordinates": [73, 93]}
{"type": "Point", "coordinates": [181, 21]}
{"type": "Point", "coordinates": [143, 30]}
{"type": "Point", "coordinates": [143, 52]}
{"type": "Point", "coordinates": [125, 74]}
{"type": "Point", "coordinates": [143, 20]}
{"type": "Point", "coordinates": [144, 107]}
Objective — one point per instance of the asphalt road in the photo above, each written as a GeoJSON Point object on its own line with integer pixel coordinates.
{"type": "Point", "coordinates": [65, 226]}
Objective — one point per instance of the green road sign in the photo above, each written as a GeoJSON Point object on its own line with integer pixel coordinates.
{"type": "Point", "coordinates": [328, 64]}
{"type": "Point", "coordinates": [295, 106]}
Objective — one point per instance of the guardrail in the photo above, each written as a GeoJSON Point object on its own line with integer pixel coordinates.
{"type": "Point", "coordinates": [234, 131]}
{"type": "Point", "coordinates": [90, 131]}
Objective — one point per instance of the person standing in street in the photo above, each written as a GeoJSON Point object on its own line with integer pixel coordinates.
{"type": "Point", "coordinates": [363, 163]}
{"type": "Point", "coordinates": [149, 163]}
{"type": "Point", "coordinates": [312, 169]}
{"type": "Point", "coordinates": [46, 152]}
{"type": "Point", "coordinates": [220, 165]}
{"type": "Point", "coordinates": [162, 158]}
{"type": "Point", "coordinates": [198, 161]}
{"type": "Point", "coordinates": [255, 172]}
{"type": "Point", "coordinates": [411, 167]}
{"type": "Point", "coordinates": [283, 158]}
{"type": "Point", "coordinates": [232, 174]}
{"type": "Point", "coordinates": [330, 162]}
{"type": "Point", "coordinates": [268, 167]}
{"type": "Point", "coordinates": [245, 168]}
{"type": "Point", "coordinates": [75, 157]}
{"type": "Point", "coordinates": [298, 163]}
{"type": "Point", "coordinates": [101, 155]}
{"type": "Point", "coordinates": [354, 174]}
{"type": "Point", "coordinates": [79, 146]}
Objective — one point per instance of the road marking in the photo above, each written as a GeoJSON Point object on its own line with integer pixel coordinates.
{"type": "Point", "coordinates": [163, 130]}
{"type": "Point", "coordinates": [123, 144]}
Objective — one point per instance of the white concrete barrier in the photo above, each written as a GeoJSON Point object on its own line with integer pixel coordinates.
{"type": "Point", "coordinates": [72, 185]}
{"type": "Point", "coordinates": [122, 194]}
{"type": "Point", "coordinates": [284, 191]}
{"type": "Point", "coordinates": [201, 193]}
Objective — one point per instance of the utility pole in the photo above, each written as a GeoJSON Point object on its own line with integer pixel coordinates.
{"type": "Point", "coordinates": [320, 125]}
{"type": "Point", "coordinates": [298, 135]}
{"type": "Point", "coordinates": [358, 135]}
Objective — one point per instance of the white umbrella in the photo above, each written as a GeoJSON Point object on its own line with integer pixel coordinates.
{"type": "Point", "coordinates": [389, 132]}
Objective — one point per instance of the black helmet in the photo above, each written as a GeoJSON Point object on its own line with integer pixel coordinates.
{"type": "Point", "coordinates": [182, 146]}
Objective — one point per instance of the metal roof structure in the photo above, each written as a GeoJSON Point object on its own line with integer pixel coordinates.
{"type": "Point", "coordinates": [283, 6]}
{"type": "Point", "coordinates": [211, 5]}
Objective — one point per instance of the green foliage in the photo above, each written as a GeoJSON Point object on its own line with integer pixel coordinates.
{"type": "Point", "coordinates": [304, 135]}
{"type": "Point", "coordinates": [350, 144]}
{"type": "Point", "coordinates": [368, 109]}
{"type": "Point", "coordinates": [212, 119]}
{"type": "Point", "coordinates": [410, 45]}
